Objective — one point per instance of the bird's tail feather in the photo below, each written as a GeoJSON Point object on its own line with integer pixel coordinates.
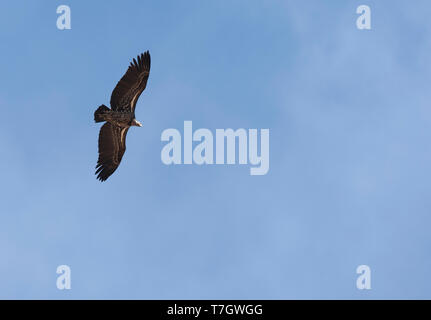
{"type": "Point", "coordinates": [100, 112]}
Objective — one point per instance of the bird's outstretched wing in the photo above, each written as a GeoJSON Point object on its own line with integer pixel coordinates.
{"type": "Point", "coordinates": [112, 145]}
{"type": "Point", "coordinates": [131, 85]}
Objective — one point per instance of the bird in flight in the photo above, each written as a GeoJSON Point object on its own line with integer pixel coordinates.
{"type": "Point", "coordinates": [121, 116]}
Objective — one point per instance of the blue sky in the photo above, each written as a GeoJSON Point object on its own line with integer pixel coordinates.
{"type": "Point", "coordinates": [349, 179]}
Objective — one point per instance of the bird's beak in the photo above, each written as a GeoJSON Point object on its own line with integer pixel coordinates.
{"type": "Point", "coordinates": [137, 123]}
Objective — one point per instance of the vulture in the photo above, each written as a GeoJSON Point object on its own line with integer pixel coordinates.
{"type": "Point", "coordinates": [121, 116]}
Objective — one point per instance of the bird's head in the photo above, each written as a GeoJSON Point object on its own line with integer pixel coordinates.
{"type": "Point", "coordinates": [136, 123]}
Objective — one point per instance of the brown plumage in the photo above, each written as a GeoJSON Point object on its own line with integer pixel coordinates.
{"type": "Point", "coordinates": [121, 116]}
